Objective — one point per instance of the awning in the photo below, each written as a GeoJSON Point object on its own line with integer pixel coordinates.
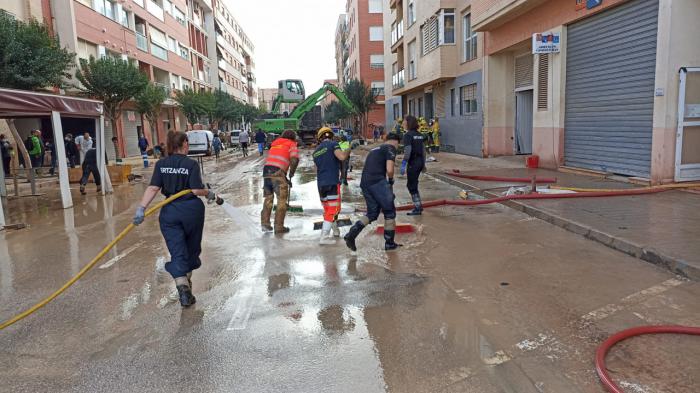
{"type": "Point", "coordinates": [21, 103]}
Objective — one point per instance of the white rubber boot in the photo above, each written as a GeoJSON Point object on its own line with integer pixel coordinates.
{"type": "Point", "coordinates": [336, 230]}
{"type": "Point", "coordinates": [326, 233]}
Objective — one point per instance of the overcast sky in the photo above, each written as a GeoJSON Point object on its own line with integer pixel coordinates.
{"type": "Point", "coordinates": [294, 39]}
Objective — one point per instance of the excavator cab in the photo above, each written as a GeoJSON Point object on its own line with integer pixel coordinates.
{"type": "Point", "coordinates": [292, 90]}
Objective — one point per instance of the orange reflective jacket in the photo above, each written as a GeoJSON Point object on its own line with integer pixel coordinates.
{"type": "Point", "coordinates": [281, 152]}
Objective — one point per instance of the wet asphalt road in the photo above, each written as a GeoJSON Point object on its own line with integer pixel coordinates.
{"type": "Point", "coordinates": [480, 299]}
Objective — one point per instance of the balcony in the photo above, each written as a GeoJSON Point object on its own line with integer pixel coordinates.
{"type": "Point", "coordinates": [141, 42]}
{"type": "Point", "coordinates": [487, 15]}
{"type": "Point", "coordinates": [396, 34]}
{"type": "Point", "coordinates": [398, 80]}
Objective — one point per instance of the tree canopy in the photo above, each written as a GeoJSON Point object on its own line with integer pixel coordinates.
{"type": "Point", "coordinates": [112, 81]}
{"type": "Point", "coordinates": [30, 57]}
{"type": "Point", "coordinates": [362, 98]}
{"type": "Point", "coordinates": [150, 101]}
{"type": "Point", "coordinates": [214, 107]}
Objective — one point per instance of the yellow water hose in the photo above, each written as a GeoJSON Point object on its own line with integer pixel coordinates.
{"type": "Point", "coordinates": [90, 265]}
{"type": "Point", "coordinates": [663, 186]}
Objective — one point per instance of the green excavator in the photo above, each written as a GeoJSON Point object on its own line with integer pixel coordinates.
{"type": "Point", "coordinates": [306, 117]}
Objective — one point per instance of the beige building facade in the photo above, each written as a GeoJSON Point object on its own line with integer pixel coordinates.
{"type": "Point", "coordinates": [434, 69]}
{"type": "Point", "coordinates": [608, 99]}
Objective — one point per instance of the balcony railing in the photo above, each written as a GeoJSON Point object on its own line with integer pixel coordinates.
{"type": "Point", "coordinates": [159, 52]}
{"type": "Point", "coordinates": [155, 9]}
{"type": "Point", "coordinates": [398, 80]}
{"type": "Point", "coordinates": [141, 42]}
{"type": "Point", "coordinates": [396, 32]}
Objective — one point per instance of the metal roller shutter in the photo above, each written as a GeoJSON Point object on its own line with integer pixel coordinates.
{"type": "Point", "coordinates": [131, 135]}
{"type": "Point", "coordinates": [610, 70]}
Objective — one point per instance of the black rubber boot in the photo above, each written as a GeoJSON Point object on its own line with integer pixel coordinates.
{"type": "Point", "coordinates": [417, 205]}
{"type": "Point", "coordinates": [186, 297]}
{"type": "Point", "coordinates": [352, 235]}
{"type": "Point", "coordinates": [390, 244]}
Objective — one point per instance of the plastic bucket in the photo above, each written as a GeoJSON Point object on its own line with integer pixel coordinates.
{"type": "Point", "coordinates": [532, 161]}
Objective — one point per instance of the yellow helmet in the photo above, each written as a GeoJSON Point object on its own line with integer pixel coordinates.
{"type": "Point", "coordinates": [324, 133]}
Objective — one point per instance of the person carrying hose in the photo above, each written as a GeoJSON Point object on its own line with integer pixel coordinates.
{"type": "Point", "coordinates": [181, 221]}
{"type": "Point", "coordinates": [328, 158]}
{"type": "Point", "coordinates": [282, 158]}
{"type": "Point", "coordinates": [377, 188]}
{"type": "Point", "coordinates": [413, 161]}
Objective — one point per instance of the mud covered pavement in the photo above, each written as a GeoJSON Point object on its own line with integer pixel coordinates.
{"type": "Point", "coordinates": [480, 299]}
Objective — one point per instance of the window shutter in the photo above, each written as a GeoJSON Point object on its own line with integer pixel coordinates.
{"type": "Point", "coordinates": [430, 34]}
{"type": "Point", "coordinates": [543, 82]}
{"type": "Point", "coordinates": [523, 71]}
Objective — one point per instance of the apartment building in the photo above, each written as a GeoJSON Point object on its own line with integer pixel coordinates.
{"type": "Point", "coordinates": [25, 10]}
{"type": "Point", "coordinates": [436, 63]}
{"type": "Point", "coordinates": [364, 39]}
{"type": "Point", "coordinates": [234, 56]}
{"type": "Point", "coordinates": [202, 36]}
{"type": "Point", "coordinates": [616, 93]}
{"type": "Point", "coordinates": [266, 99]}
{"type": "Point", "coordinates": [151, 34]}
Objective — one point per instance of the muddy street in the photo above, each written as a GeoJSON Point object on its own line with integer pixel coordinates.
{"type": "Point", "coordinates": [479, 299]}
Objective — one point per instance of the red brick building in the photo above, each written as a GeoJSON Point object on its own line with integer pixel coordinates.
{"type": "Point", "coordinates": [364, 42]}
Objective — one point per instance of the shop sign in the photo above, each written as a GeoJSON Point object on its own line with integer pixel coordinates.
{"type": "Point", "coordinates": [546, 43]}
{"type": "Point", "coordinates": [593, 3]}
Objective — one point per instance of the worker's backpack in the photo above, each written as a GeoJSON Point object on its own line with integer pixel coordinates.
{"type": "Point", "coordinates": [28, 143]}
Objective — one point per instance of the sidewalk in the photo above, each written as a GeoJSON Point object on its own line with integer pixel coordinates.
{"type": "Point", "coordinates": [659, 228]}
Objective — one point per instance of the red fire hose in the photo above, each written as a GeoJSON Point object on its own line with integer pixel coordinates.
{"type": "Point", "coordinates": [541, 180]}
{"type": "Point", "coordinates": [625, 334]}
{"type": "Point", "coordinates": [444, 202]}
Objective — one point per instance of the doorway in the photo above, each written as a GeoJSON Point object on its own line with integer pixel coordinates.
{"type": "Point", "coordinates": [523, 122]}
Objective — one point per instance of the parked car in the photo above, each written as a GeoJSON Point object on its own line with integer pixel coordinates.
{"type": "Point", "coordinates": [200, 142]}
{"type": "Point", "coordinates": [234, 138]}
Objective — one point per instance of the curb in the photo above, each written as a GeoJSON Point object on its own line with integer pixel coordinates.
{"type": "Point", "coordinates": [647, 254]}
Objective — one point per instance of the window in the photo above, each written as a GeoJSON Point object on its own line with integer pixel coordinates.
{"type": "Point", "coordinates": [172, 44]}
{"type": "Point", "coordinates": [376, 61]}
{"type": "Point", "coordinates": [411, 107]}
{"type": "Point", "coordinates": [86, 49]}
{"type": "Point", "coordinates": [429, 34]}
{"type": "Point", "coordinates": [378, 88]}
{"type": "Point", "coordinates": [453, 100]}
{"type": "Point", "coordinates": [376, 33]}
{"type": "Point", "coordinates": [168, 6]}
{"type": "Point", "coordinates": [412, 72]}
{"type": "Point", "coordinates": [375, 6]}
{"type": "Point", "coordinates": [184, 53]}
{"type": "Point", "coordinates": [105, 7]}
{"type": "Point", "coordinates": [447, 26]}
{"type": "Point", "coordinates": [543, 82]}
{"type": "Point", "coordinates": [139, 2]}
{"type": "Point", "coordinates": [158, 37]}
{"type": "Point", "coordinates": [411, 12]}
{"type": "Point", "coordinates": [397, 114]}
{"type": "Point", "coordinates": [179, 15]}
{"type": "Point", "coordinates": [469, 39]}
{"type": "Point", "coordinates": [420, 107]}
{"type": "Point", "coordinates": [467, 104]}
{"type": "Point", "coordinates": [124, 18]}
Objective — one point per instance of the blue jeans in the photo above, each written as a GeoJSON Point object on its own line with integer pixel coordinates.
{"type": "Point", "coordinates": [182, 224]}
{"type": "Point", "coordinates": [379, 198]}
{"type": "Point", "coordinates": [261, 147]}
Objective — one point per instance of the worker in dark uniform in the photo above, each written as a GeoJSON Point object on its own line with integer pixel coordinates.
{"type": "Point", "coordinates": [377, 188]}
{"type": "Point", "coordinates": [181, 221]}
{"type": "Point", "coordinates": [90, 167]}
{"type": "Point", "coordinates": [328, 158]}
{"type": "Point", "coordinates": [413, 161]}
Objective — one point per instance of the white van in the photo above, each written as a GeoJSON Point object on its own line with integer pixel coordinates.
{"type": "Point", "coordinates": [200, 142]}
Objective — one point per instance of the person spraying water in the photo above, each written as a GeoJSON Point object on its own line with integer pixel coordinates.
{"type": "Point", "coordinates": [181, 221]}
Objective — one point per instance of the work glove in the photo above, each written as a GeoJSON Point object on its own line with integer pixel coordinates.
{"type": "Point", "coordinates": [404, 164]}
{"type": "Point", "coordinates": [211, 197]}
{"type": "Point", "coordinates": [140, 215]}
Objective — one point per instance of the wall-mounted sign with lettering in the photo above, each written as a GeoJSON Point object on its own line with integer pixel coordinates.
{"type": "Point", "coordinates": [546, 43]}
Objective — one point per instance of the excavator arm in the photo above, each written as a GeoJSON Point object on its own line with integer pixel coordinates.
{"type": "Point", "coordinates": [311, 101]}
